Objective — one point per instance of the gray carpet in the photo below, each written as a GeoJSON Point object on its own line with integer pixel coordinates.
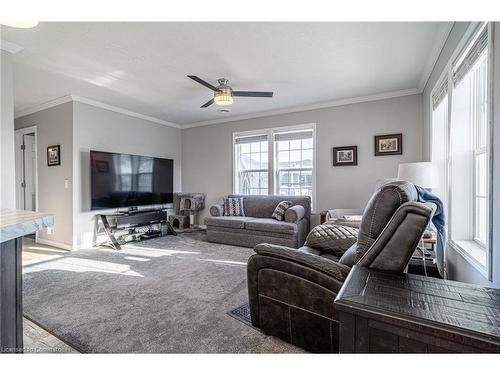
{"type": "Point", "coordinates": [164, 295]}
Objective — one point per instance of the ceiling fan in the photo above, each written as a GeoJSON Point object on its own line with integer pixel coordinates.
{"type": "Point", "coordinates": [224, 94]}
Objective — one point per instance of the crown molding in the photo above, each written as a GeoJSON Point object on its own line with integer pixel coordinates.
{"type": "Point", "coordinates": [93, 103]}
{"type": "Point", "coordinates": [336, 103]}
{"type": "Point", "coordinates": [40, 107]}
{"type": "Point", "coordinates": [10, 47]}
{"type": "Point", "coordinates": [434, 56]}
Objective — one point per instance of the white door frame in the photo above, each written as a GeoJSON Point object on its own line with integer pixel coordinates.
{"type": "Point", "coordinates": [19, 165]}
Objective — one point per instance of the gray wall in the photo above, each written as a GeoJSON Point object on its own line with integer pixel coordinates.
{"type": "Point", "coordinates": [207, 150]}
{"type": "Point", "coordinates": [458, 267]}
{"type": "Point", "coordinates": [7, 157]}
{"type": "Point", "coordinates": [104, 130]}
{"type": "Point", "coordinates": [54, 127]}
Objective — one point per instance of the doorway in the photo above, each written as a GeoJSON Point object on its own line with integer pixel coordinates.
{"type": "Point", "coordinates": [26, 169]}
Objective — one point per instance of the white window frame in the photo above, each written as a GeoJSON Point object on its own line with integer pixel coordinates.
{"type": "Point", "coordinates": [478, 151]}
{"type": "Point", "coordinates": [238, 173]}
{"type": "Point", "coordinates": [471, 251]}
{"type": "Point", "coordinates": [272, 172]}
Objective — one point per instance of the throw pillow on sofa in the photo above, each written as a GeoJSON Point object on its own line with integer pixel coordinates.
{"type": "Point", "coordinates": [279, 211]}
{"type": "Point", "coordinates": [331, 238]}
{"type": "Point", "coordinates": [233, 207]}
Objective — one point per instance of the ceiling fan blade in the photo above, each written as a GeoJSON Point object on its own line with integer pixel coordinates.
{"type": "Point", "coordinates": [202, 82]}
{"type": "Point", "coordinates": [209, 103]}
{"type": "Point", "coordinates": [254, 94]}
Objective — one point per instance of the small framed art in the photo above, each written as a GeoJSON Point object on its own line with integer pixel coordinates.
{"type": "Point", "coordinates": [53, 155]}
{"type": "Point", "coordinates": [389, 144]}
{"type": "Point", "coordinates": [345, 156]}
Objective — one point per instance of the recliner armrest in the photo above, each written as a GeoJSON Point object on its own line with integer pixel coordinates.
{"type": "Point", "coordinates": [332, 269]}
{"type": "Point", "coordinates": [294, 214]}
{"type": "Point", "coordinates": [217, 210]}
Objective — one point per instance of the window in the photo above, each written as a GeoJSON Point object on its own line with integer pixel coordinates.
{"type": "Point", "coordinates": [294, 163]}
{"type": "Point", "coordinates": [275, 161]}
{"type": "Point", "coordinates": [461, 147]}
{"type": "Point", "coordinates": [252, 164]}
{"type": "Point", "coordinates": [479, 122]}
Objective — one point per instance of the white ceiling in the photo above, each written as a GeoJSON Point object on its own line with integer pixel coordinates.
{"type": "Point", "coordinates": [142, 67]}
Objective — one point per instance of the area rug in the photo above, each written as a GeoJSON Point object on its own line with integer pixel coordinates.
{"type": "Point", "coordinates": [242, 313]}
{"type": "Point", "coordinates": [164, 295]}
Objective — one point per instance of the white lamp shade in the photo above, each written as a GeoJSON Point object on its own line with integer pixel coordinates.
{"type": "Point", "coordinates": [423, 174]}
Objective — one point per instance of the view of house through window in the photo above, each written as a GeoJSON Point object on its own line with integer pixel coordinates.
{"type": "Point", "coordinates": [277, 161]}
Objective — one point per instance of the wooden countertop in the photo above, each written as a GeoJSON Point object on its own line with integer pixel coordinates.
{"type": "Point", "coordinates": [17, 223]}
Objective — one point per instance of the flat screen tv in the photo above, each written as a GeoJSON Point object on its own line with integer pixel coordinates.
{"type": "Point", "coordinates": [122, 180]}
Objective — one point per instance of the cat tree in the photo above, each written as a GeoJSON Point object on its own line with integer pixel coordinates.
{"type": "Point", "coordinates": [187, 207]}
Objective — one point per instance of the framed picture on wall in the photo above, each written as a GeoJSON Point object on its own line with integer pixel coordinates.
{"type": "Point", "coordinates": [345, 156]}
{"type": "Point", "coordinates": [389, 144]}
{"type": "Point", "coordinates": [53, 155]}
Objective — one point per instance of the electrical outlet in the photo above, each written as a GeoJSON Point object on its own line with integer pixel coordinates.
{"type": "Point", "coordinates": [66, 183]}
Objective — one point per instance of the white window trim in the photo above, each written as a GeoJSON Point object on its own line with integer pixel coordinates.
{"type": "Point", "coordinates": [467, 249]}
{"type": "Point", "coordinates": [272, 160]}
{"type": "Point", "coordinates": [477, 152]}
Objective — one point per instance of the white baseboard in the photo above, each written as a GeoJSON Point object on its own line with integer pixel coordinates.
{"type": "Point", "coordinates": [60, 245]}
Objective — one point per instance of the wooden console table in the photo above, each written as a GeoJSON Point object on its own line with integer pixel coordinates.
{"type": "Point", "coordinates": [14, 224]}
{"type": "Point", "coordinates": [384, 313]}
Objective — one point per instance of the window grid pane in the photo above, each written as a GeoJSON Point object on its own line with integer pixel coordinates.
{"type": "Point", "coordinates": [481, 177]}
{"type": "Point", "coordinates": [480, 213]}
{"type": "Point", "coordinates": [252, 165]}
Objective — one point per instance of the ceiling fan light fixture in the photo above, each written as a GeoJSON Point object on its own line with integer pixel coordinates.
{"type": "Point", "coordinates": [223, 96]}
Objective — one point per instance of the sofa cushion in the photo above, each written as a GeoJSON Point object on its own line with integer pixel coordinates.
{"type": "Point", "coordinates": [279, 211]}
{"type": "Point", "coordinates": [233, 207]}
{"type": "Point", "coordinates": [271, 225]}
{"type": "Point", "coordinates": [236, 222]}
{"type": "Point", "coordinates": [331, 238]}
{"type": "Point", "coordinates": [254, 233]}
{"type": "Point", "coordinates": [310, 250]}
{"type": "Point", "coordinates": [331, 257]}
{"type": "Point", "coordinates": [350, 257]}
